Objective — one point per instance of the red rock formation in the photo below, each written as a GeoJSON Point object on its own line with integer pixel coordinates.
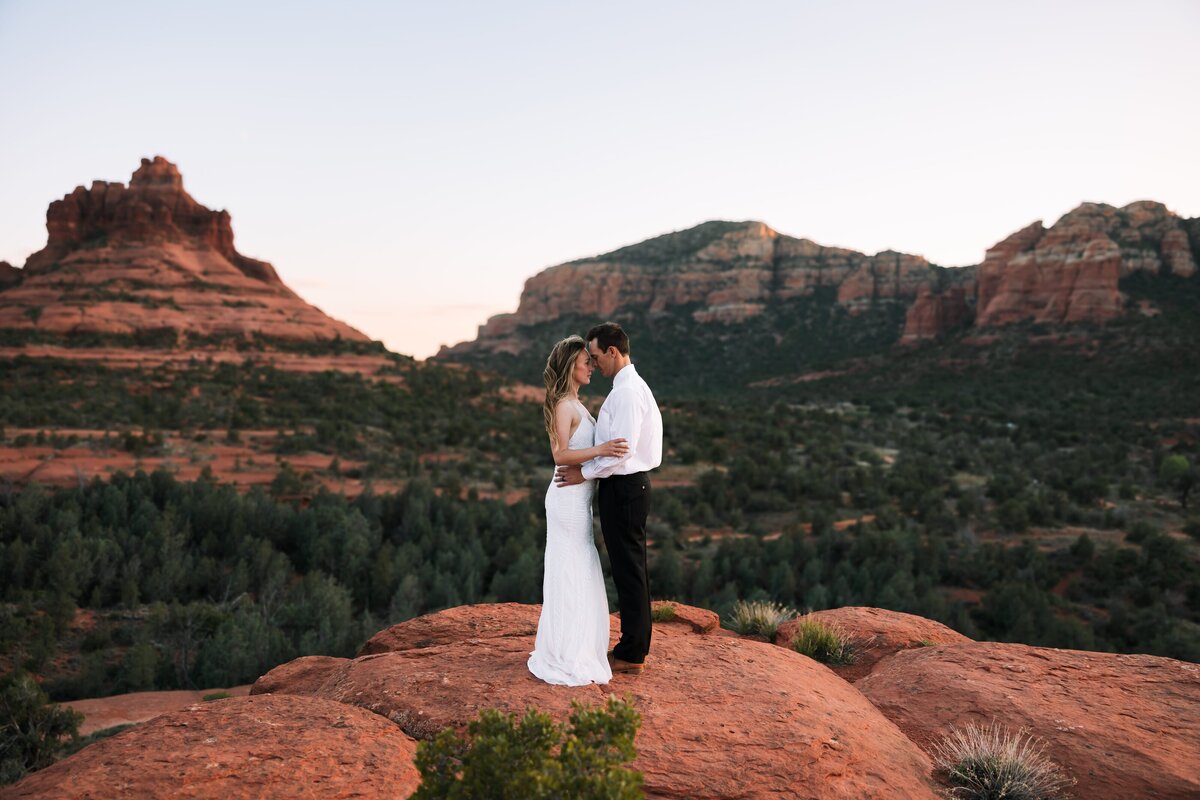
{"type": "Point", "coordinates": [463, 623]}
{"type": "Point", "coordinates": [1122, 725]}
{"type": "Point", "coordinates": [731, 270]}
{"type": "Point", "coordinates": [932, 314]}
{"type": "Point", "coordinates": [274, 746]}
{"type": "Point", "coordinates": [9, 275]}
{"type": "Point", "coordinates": [147, 257]}
{"type": "Point", "coordinates": [721, 717]}
{"type": "Point", "coordinates": [876, 633]}
{"type": "Point", "coordinates": [1064, 274]}
{"type": "Point", "coordinates": [1069, 272]}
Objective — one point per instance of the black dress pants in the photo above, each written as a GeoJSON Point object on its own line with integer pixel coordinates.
{"type": "Point", "coordinates": [624, 504]}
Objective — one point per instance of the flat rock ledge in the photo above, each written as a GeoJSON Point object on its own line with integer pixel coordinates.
{"type": "Point", "coordinates": [268, 746]}
{"type": "Point", "coordinates": [1123, 726]}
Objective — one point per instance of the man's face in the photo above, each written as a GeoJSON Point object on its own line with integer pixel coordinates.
{"type": "Point", "coordinates": [605, 362]}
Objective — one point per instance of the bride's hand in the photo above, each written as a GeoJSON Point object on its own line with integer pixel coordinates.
{"type": "Point", "coordinates": [614, 448]}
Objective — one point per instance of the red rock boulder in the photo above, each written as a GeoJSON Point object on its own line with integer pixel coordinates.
{"type": "Point", "coordinates": [875, 632]}
{"type": "Point", "coordinates": [274, 746]}
{"type": "Point", "coordinates": [721, 717]}
{"type": "Point", "coordinates": [147, 257]}
{"type": "Point", "coordinates": [1123, 726]}
{"type": "Point", "coordinates": [456, 625]}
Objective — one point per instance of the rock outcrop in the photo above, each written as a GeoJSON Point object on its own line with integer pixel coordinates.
{"type": "Point", "coordinates": [875, 633]}
{"type": "Point", "coordinates": [725, 273]}
{"type": "Point", "coordinates": [146, 257]}
{"type": "Point", "coordinates": [9, 275]}
{"type": "Point", "coordinates": [1064, 274]}
{"type": "Point", "coordinates": [721, 717]}
{"type": "Point", "coordinates": [935, 313]}
{"type": "Point", "coordinates": [271, 746]}
{"type": "Point", "coordinates": [1122, 725]}
{"type": "Point", "coordinates": [718, 272]}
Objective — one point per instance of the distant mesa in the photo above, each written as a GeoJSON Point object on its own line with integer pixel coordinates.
{"type": "Point", "coordinates": [718, 272]}
{"type": "Point", "coordinates": [147, 257]}
{"type": "Point", "coordinates": [723, 273]}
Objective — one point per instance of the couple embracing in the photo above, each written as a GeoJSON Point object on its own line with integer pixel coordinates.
{"type": "Point", "coordinates": [611, 455]}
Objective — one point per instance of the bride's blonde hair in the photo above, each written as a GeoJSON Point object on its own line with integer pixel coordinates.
{"type": "Point", "coordinates": [557, 377]}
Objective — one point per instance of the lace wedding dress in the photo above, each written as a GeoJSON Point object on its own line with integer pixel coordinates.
{"type": "Point", "coordinates": [572, 635]}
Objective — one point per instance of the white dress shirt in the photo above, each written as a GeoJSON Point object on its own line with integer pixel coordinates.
{"type": "Point", "coordinates": [628, 413]}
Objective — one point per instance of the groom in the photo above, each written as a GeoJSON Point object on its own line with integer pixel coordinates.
{"type": "Point", "coordinates": [628, 413]}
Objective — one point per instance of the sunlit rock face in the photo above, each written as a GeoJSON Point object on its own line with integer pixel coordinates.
{"type": "Point", "coordinates": [146, 257]}
{"type": "Point", "coordinates": [719, 272]}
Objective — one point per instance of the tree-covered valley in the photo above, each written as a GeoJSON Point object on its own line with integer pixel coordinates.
{"type": "Point", "coordinates": [1032, 488]}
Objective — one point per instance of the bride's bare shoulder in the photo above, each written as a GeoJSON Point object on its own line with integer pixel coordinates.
{"type": "Point", "coordinates": [566, 407]}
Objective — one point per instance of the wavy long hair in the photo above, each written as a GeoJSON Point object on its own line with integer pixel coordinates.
{"type": "Point", "coordinates": [557, 377]}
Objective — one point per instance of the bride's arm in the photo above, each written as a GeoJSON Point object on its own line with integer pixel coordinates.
{"type": "Point", "coordinates": [564, 417]}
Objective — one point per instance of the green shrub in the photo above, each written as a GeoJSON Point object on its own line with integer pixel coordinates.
{"type": "Point", "coordinates": [760, 617]}
{"type": "Point", "coordinates": [663, 613]}
{"type": "Point", "coordinates": [828, 644]}
{"type": "Point", "coordinates": [215, 696]}
{"type": "Point", "coordinates": [503, 759]}
{"type": "Point", "coordinates": [993, 763]}
{"type": "Point", "coordinates": [33, 729]}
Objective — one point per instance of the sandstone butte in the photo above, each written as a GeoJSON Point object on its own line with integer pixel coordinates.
{"type": "Point", "coordinates": [722, 716]}
{"type": "Point", "coordinates": [729, 271]}
{"type": "Point", "coordinates": [148, 257]}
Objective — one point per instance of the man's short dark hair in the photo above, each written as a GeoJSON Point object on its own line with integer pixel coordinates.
{"type": "Point", "coordinates": [609, 334]}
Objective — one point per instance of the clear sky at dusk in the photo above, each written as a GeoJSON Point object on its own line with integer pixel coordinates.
{"type": "Point", "coordinates": [406, 166]}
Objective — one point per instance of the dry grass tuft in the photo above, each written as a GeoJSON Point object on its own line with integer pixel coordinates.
{"type": "Point", "coordinates": [828, 644]}
{"type": "Point", "coordinates": [995, 763]}
{"type": "Point", "coordinates": [760, 617]}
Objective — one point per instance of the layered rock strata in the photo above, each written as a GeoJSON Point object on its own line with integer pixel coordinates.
{"type": "Point", "coordinates": [720, 272]}
{"type": "Point", "coordinates": [730, 272]}
{"type": "Point", "coordinates": [1064, 274]}
{"type": "Point", "coordinates": [146, 257]}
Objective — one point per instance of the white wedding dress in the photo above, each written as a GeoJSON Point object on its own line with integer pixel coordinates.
{"type": "Point", "coordinates": [572, 635]}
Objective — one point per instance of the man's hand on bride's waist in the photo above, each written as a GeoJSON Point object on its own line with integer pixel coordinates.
{"type": "Point", "coordinates": [568, 476]}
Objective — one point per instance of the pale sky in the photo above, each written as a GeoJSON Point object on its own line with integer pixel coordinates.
{"type": "Point", "coordinates": [407, 165]}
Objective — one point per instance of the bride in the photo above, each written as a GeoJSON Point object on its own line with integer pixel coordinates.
{"type": "Point", "coordinates": [572, 635]}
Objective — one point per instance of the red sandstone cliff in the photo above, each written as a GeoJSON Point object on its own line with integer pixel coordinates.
{"type": "Point", "coordinates": [725, 271]}
{"type": "Point", "coordinates": [1066, 273]}
{"type": "Point", "coordinates": [147, 256]}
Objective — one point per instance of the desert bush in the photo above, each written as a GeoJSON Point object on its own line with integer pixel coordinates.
{"type": "Point", "coordinates": [760, 617]}
{"type": "Point", "coordinates": [506, 759]}
{"type": "Point", "coordinates": [828, 644]}
{"type": "Point", "coordinates": [32, 730]}
{"type": "Point", "coordinates": [995, 763]}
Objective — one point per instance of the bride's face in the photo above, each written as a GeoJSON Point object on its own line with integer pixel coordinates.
{"type": "Point", "coordinates": [582, 371]}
